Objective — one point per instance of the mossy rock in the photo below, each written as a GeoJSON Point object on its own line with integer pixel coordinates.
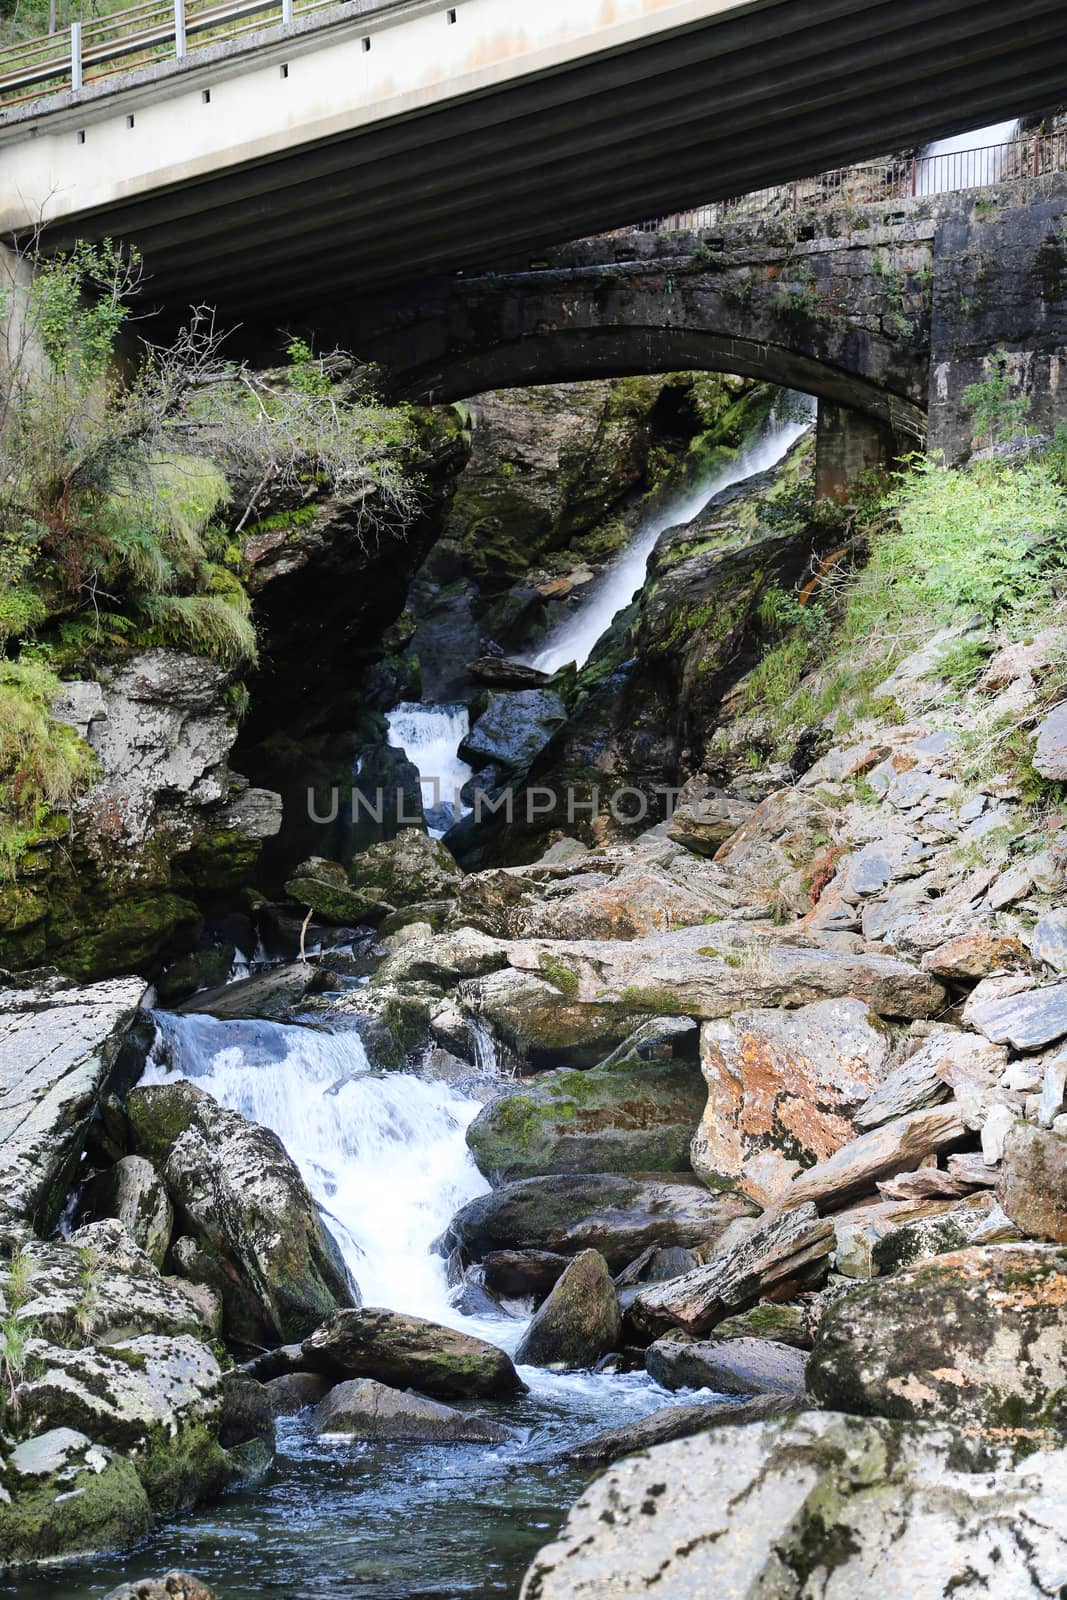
{"type": "Point", "coordinates": [68, 1497]}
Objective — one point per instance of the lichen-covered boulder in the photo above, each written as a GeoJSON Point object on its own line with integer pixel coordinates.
{"type": "Point", "coordinates": [410, 1352]}
{"type": "Point", "coordinates": [814, 1505]}
{"type": "Point", "coordinates": [404, 871]}
{"type": "Point", "coordinates": [617, 1215]}
{"type": "Point", "coordinates": [637, 1116]}
{"type": "Point", "coordinates": [235, 1187]}
{"type": "Point", "coordinates": [977, 1337]}
{"type": "Point", "coordinates": [578, 1323]}
{"type": "Point", "coordinates": [782, 1089]}
{"type": "Point", "coordinates": [513, 728]}
{"type": "Point", "coordinates": [62, 1495]}
{"type": "Point", "coordinates": [365, 1409]}
{"type": "Point", "coordinates": [158, 1400]}
{"type": "Point", "coordinates": [58, 1045]}
{"type": "Point", "coordinates": [1033, 1182]}
{"type": "Point", "coordinates": [132, 1192]}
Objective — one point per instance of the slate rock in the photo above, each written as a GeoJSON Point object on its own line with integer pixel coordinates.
{"type": "Point", "coordinates": [1033, 1182]}
{"type": "Point", "coordinates": [362, 1408]}
{"type": "Point", "coordinates": [729, 1366]}
{"type": "Point", "coordinates": [1026, 1021]}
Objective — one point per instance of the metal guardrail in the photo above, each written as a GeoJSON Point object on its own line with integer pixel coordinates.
{"type": "Point", "coordinates": [882, 181]}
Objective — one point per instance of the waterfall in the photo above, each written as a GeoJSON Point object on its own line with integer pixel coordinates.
{"type": "Point", "coordinates": [430, 736]}
{"type": "Point", "coordinates": [966, 161]}
{"type": "Point", "coordinates": [385, 1157]}
{"type": "Point", "coordinates": [573, 639]}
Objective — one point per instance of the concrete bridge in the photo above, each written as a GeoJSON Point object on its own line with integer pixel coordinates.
{"type": "Point", "coordinates": [378, 140]}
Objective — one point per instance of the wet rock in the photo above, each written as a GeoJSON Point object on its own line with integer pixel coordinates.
{"type": "Point", "coordinates": [523, 1274]}
{"type": "Point", "coordinates": [66, 1496]}
{"type": "Point", "coordinates": [975, 1337]}
{"type": "Point", "coordinates": [296, 1391]}
{"type": "Point", "coordinates": [656, 1266]}
{"type": "Point", "coordinates": [635, 1117]}
{"type": "Point", "coordinates": [729, 1366]}
{"type": "Point", "coordinates": [405, 871]}
{"type": "Point", "coordinates": [498, 672]}
{"type": "Point", "coordinates": [58, 1044]}
{"type": "Point", "coordinates": [132, 1193]}
{"type": "Point", "coordinates": [1048, 942]}
{"type": "Point", "coordinates": [201, 969]}
{"type": "Point", "coordinates": [174, 1586]}
{"type": "Point", "coordinates": [1025, 1021]}
{"type": "Point", "coordinates": [782, 1088]}
{"type": "Point", "coordinates": [1033, 1182]}
{"type": "Point", "coordinates": [514, 728]}
{"type": "Point", "coordinates": [444, 960]}
{"type": "Point", "coordinates": [246, 1427]}
{"type": "Point", "coordinates": [268, 996]}
{"type": "Point", "coordinates": [673, 1422]}
{"type": "Point", "coordinates": [619, 1216]}
{"type": "Point", "coordinates": [398, 1349]}
{"type": "Point", "coordinates": [536, 1015]}
{"type": "Point", "coordinates": [365, 1409]}
{"type": "Point", "coordinates": [1050, 749]}
{"type": "Point", "coordinates": [786, 1252]}
{"type": "Point", "coordinates": [896, 1146]}
{"type": "Point", "coordinates": [813, 1503]}
{"type": "Point", "coordinates": [578, 1323]}
{"type": "Point", "coordinates": [233, 1182]}
{"type": "Point", "coordinates": [714, 971]}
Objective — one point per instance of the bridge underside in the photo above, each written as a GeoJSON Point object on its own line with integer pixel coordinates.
{"type": "Point", "coordinates": [756, 95]}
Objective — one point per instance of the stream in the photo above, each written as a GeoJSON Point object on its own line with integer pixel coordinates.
{"type": "Point", "coordinates": [386, 1158]}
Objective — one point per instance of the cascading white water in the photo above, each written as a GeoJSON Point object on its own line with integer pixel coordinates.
{"type": "Point", "coordinates": [965, 161]}
{"type": "Point", "coordinates": [430, 737]}
{"type": "Point", "coordinates": [574, 638]}
{"type": "Point", "coordinates": [385, 1157]}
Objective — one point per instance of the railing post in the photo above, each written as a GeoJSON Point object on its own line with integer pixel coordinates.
{"type": "Point", "coordinates": [76, 56]}
{"type": "Point", "coordinates": [914, 177]}
{"type": "Point", "coordinates": [179, 28]}
{"type": "Point", "coordinates": [287, 13]}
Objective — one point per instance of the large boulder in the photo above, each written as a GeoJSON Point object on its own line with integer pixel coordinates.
{"type": "Point", "coordinates": [637, 1116]}
{"type": "Point", "coordinates": [411, 1353]}
{"type": "Point", "coordinates": [1033, 1182]}
{"type": "Point", "coordinates": [578, 1323]}
{"type": "Point", "coordinates": [977, 1337]}
{"type": "Point", "coordinates": [729, 1366]}
{"type": "Point", "coordinates": [237, 1190]}
{"type": "Point", "coordinates": [786, 1253]}
{"type": "Point", "coordinates": [813, 1504]}
{"type": "Point", "coordinates": [58, 1046]}
{"type": "Point", "coordinates": [365, 1409]}
{"type": "Point", "coordinates": [132, 1193]}
{"type": "Point", "coordinates": [513, 728]}
{"type": "Point", "coordinates": [783, 1087]}
{"type": "Point", "coordinates": [65, 1496]}
{"type": "Point", "coordinates": [619, 1216]}
{"type": "Point", "coordinates": [159, 1400]}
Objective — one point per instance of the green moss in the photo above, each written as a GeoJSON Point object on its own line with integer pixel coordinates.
{"type": "Point", "coordinates": [180, 1471]}
{"type": "Point", "coordinates": [563, 978]}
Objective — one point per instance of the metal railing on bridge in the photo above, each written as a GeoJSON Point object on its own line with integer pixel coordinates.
{"type": "Point", "coordinates": [879, 182]}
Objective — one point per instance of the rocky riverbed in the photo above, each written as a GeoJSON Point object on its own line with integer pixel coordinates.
{"type": "Point", "coordinates": [723, 1155]}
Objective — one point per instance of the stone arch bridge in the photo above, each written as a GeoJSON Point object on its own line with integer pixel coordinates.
{"type": "Point", "coordinates": [884, 315]}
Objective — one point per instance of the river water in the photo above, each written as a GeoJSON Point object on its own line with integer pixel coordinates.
{"type": "Point", "coordinates": [386, 1158]}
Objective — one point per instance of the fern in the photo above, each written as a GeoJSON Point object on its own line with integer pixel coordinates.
{"type": "Point", "coordinates": [209, 625]}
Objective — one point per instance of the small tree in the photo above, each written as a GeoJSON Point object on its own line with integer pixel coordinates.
{"type": "Point", "coordinates": [999, 413]}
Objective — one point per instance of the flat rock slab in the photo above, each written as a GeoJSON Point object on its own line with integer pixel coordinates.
{"type": "Point", "coordinates": [894, 1147]}
{"type": "Point", "coordinates": [812, 1504]}
{"type": "Point", "coordinates": [729, 1366]}
{"type": "Point", "coordinates": [928, 1076]}
{"type": "Point", "coordinates": [57, 1046]}
{"type": "Point", "coordinates": [977, 1338]}
{"type": "Point", "coordinates": [411, 1352]}
{"type": "Point", "coordinates": [365, 1409]}
{"type": "Point", "coordinates": [1049, 939]}
{"type": "Point", "coordinates": [1050, 750]}
{"type": "Point", "coordinates": [714, 971]}
{"type": "Point", "coordinates": [1027, 1021]}
{"type": "Point", "coordinates": [788, 1249]}
{"type": "Point", "coordinates": [619, 1216]}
